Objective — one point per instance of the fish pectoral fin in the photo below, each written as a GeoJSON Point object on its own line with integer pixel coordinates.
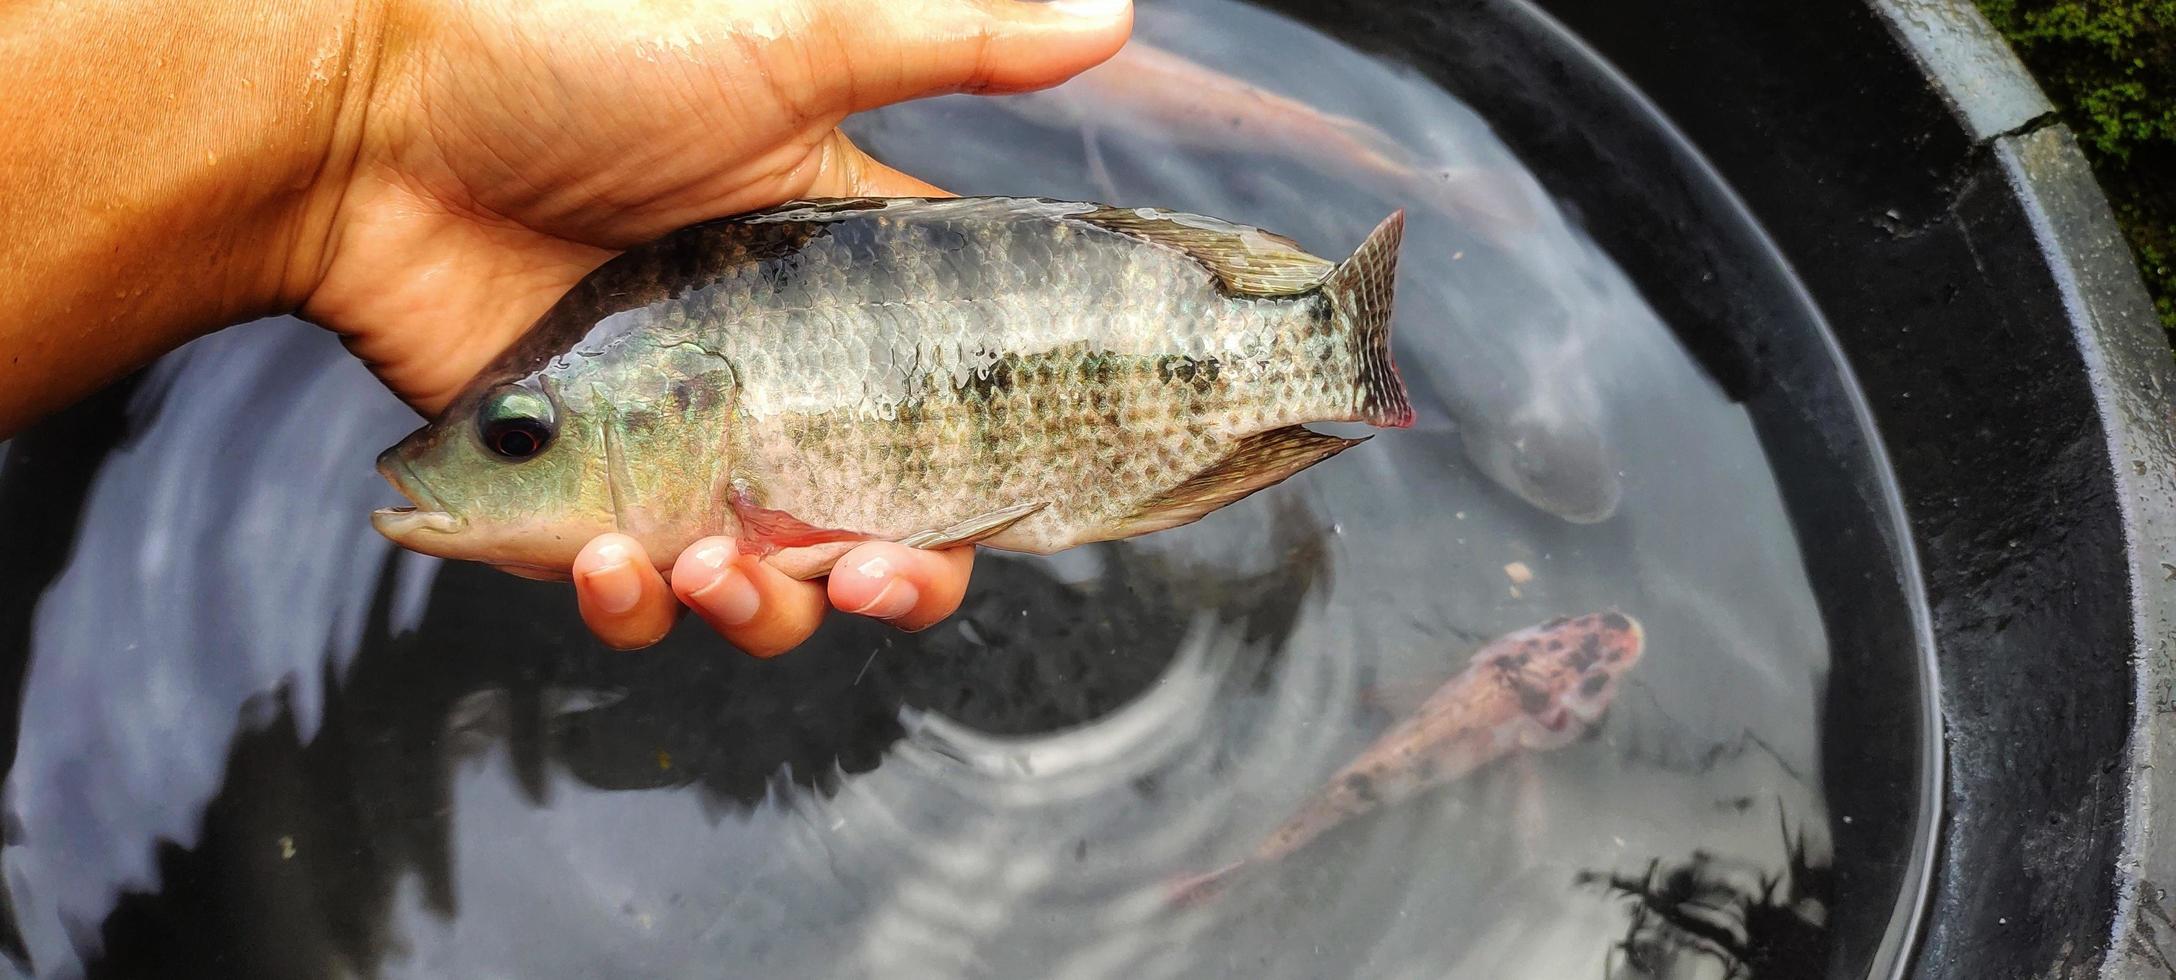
{"type": "Point", "coordinates": [1261, 460]}
{"type": "Point", "coordinates": [1194, 890]}
{"type": "Point", "coordinates": [1398, 698]}
{"type": "Point", "coordinates": [1246, 260]}
{"type": "Point", "coordinates": [980, 527]}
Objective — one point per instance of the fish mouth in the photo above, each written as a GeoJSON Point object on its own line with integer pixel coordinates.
{"type": "Point", "coordinates": [399, 523]}
{"type": "Point", "coordinates": [402, 523]}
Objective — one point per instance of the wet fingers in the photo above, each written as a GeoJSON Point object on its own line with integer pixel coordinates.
{"type": "Point", "coordinates": [908, 587]}
{"type": "Point", "coordinates": [623, 599]}
{"type": "Point", "coordinates": [754, 606]}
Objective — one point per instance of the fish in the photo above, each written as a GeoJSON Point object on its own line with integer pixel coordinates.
{"type": "Point", "coordinates": [1208, 109]}
{"type": "Point", "coordinates": [1535, 439]}
{"type": "Point", "coordinates": [1020, 373]}
{"type": "Point", "coordinates": [1533, 690]}
{"type": "Point", "coordinates": [1560, 462]}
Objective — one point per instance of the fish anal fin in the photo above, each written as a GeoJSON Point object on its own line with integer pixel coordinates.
{"type": "Point", "coordinates": [1258, 461]}
{"type": "Point", "coordinates": [1247, 261]}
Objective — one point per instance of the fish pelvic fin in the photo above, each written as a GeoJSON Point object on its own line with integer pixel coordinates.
{"type": "Point", "coordinates": [1258, 461]}
{"type": "Point", "coordinates": [1360, 289]}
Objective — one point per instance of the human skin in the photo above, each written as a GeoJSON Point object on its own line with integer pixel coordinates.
{"type": "Point", "coordinates": [425, 177]}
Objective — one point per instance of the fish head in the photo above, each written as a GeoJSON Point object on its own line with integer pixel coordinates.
{"type": "Point", "coordinates": [1566, 672]}
{"type": "Point", "coordinates": [1598, 652]}
{"type": "Point", "coordinates": [507, 474]}
{"type": "Point", "coordinates": [1556, 461]}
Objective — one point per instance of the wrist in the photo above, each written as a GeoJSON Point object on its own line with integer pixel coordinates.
{"type": "Point", "coordinates": [323, 84]}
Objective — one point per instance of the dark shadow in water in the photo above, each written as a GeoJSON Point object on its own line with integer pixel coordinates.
{"type": "Point", "coordinates": [45, 481]}
{"type": "Point", "coordinates": [305, 842]}
{"type": "Point", "coordinates": [1758, 924]}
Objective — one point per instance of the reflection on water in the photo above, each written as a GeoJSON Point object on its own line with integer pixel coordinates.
{"type": "Point", "coordinates": [254, 740]}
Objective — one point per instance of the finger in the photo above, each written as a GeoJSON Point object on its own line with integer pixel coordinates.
{"type": "Point", "coordinates": [907, 587]}
{"type": "Point", "coordinates": [623, 599]}
{"type": "Point", "coordinates": [889, 51]}
{"type": "Point", "coordinates": [754, 606]}
{"type": "Point", "coordinates": [843, 170]}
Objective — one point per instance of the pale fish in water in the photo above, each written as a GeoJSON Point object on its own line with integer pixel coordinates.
{"type": "Point", "coordinates": [1209, 109]}
{"type": "Point", "coordinates": [1025, 374]}
{"type": "Point", "coordinates": [1534, 690]}
{"type": "Point", "coordinates": [1556, 460]}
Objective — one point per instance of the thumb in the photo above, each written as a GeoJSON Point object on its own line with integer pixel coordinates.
{"type": "Point", "coordinates": [887, 51]}
{"type": "Point", "coordinates": [838, 168]}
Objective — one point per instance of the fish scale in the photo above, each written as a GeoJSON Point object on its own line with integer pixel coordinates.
{"type": "Point", "coordinates": [1026, 374]}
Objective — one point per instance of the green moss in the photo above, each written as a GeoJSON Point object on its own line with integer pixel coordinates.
{"type": "Point", "coordinates": [2110, 67]}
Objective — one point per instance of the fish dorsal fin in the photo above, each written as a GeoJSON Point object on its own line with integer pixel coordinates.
{"type": "Point", "coordinates": [1246, 260]}
{"type": "Point", "coordinates": [1261, 460]}
{"type": "Point", "coordinates": [822, 210]}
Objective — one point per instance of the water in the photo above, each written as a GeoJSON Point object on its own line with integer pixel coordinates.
{"type": "Point", "coordinates": [252, 734]}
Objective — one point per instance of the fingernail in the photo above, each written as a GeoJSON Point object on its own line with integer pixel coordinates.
{"type": "Point", "coordinates": [1089, 9]}
{"type": "Point", "coordinates": [730, 599]}
{"type": "Point", "coordinates": [616, 587]}
{"type": "Point", "coordinates": [715, 556]}
{"type": "Point", "coordinates": [896, 599]}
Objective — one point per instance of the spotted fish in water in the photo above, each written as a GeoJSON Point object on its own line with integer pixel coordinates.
{"type": "Point", "coordinates": [1537, 689]}
{"type": "Point", "coordinates": [1025, 374]}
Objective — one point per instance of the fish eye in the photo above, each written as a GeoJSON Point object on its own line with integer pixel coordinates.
{"type": "Point", "coordinates": [1593, 685]}
{"type": "Point", "coordinates": [516, 422]}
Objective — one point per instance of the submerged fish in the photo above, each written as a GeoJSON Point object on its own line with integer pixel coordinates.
{"type": "Point", "coordinates": [1209, 109]}
{"type": "Point", "coordinates": [1023, 373]}
{"type": "Point", "coordinates": [1537, 689]}
{"type": "Point", "coordinates": [1557, 461]}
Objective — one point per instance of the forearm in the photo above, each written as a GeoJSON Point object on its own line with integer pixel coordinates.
{"type": "Point", "coordinates": [158, 176]}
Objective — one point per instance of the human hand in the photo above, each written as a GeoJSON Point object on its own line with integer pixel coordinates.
{"type": "Point", "coordinates": [489, 155]}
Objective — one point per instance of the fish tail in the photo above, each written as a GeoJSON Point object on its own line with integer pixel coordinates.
{"type": "Point", "coordinates": [1360, 290]}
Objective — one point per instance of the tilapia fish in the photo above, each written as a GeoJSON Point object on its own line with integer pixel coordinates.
{"type": "Point", "coordinates": [1025, 374]}
{"type": "Point", "coordinates": [1537, 689]}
